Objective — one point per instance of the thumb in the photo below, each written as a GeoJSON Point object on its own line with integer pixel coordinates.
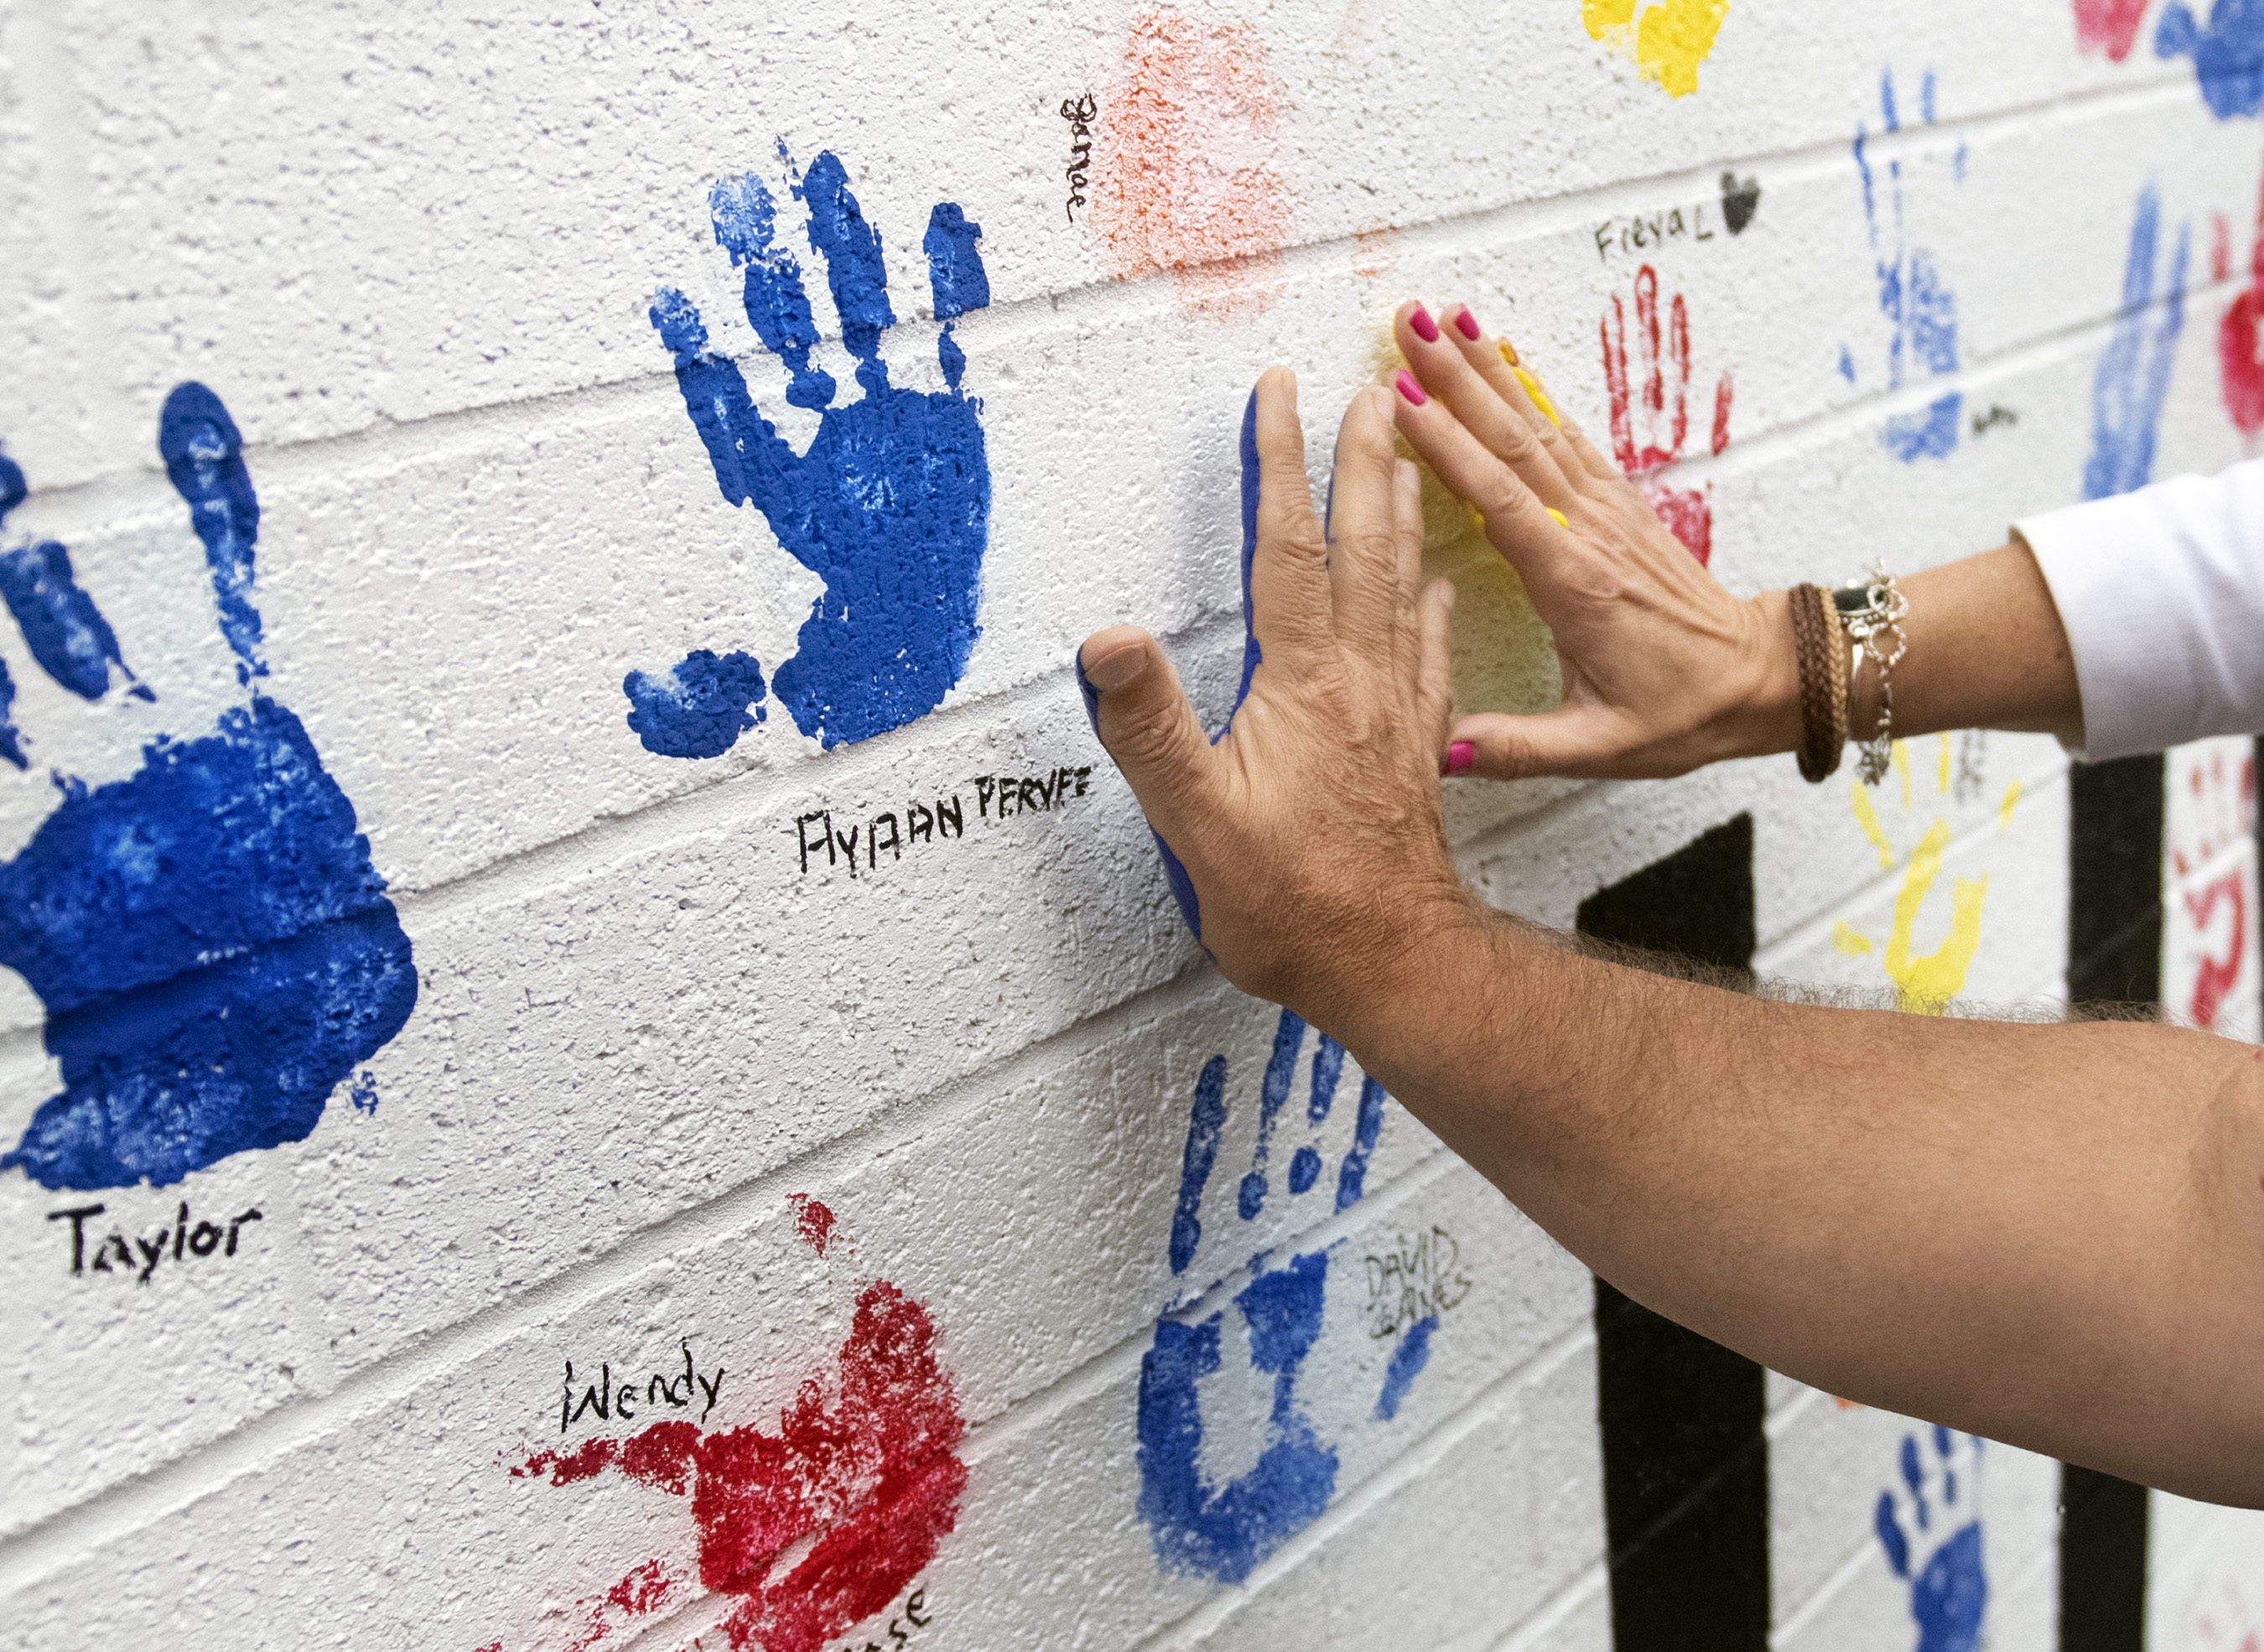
{"type": "Point", "coordinates": [1574, 741]}
{"type": "Point", "coordinates": [1143, 717]}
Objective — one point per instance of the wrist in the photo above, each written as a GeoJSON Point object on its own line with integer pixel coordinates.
{"type": "Point", "coordinates": [1406, 991]}
{"type": "Point", "coordinates": [1765, 716]}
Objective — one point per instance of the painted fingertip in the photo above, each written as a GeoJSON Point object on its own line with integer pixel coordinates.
{"type": "Point", "coordinates": [1087, 692]}
{"type": "Point", "coordinates": [1425, 328]}
{"type": "Point", "coordinates": [1557, 515]}
{"type": "Point", "coordinates": [1508, 353]}
{"type": "Point", "coordinates": [1466, 323]}
{"type": "Point", "coordinates": [1461, 757]}
{"type": "Point", "coordinates": [1539, 396]}
{"type": "Point", "coordinates": [1409, 388]}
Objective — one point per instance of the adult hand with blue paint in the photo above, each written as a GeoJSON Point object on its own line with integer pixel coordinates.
{"type": "Point", "coordinates": [2050, 1234]}
{"type": "Point", "coordinates": [1345, 683]}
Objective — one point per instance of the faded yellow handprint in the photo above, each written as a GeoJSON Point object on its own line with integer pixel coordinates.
{"type": "Point", "coordinates": [1924, 985]}
{"type": "Point", "coordinates": [1669, 42]}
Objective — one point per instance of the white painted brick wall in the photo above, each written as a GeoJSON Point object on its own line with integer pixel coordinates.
{"type": "Point", "coordinates": [412, 249]}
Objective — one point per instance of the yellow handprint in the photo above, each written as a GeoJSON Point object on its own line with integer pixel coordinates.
{"type": "Point", "coordinates": [1669, 43]}
{"type": "Point", "coordinates": [1923, 985]}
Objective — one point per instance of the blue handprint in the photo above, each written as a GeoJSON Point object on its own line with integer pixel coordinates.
{"type": "Point", "coordinates": [1224, 1532]}
{"type": "Point", "coordinates": [214, 949]}
{"type": "Point", "coordinates": [2228, 54]}
{"type": "Point", "coordinates": [1916, 304]}
{"type": "Point", "coordinates": [1930, 1528]}
{"type": "Point", "coordinates": [2132, 380]}
{"type": "Point", "coordinates": [890, 506]}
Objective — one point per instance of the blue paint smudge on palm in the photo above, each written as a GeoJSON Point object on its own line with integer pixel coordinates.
{"type": "Point", "coordinates": [2131, 383]}
{"type": "Point", "coordinates": [890, 506]}
{"type": "Point", "coordinates": [2228, 53]}
{"type": "Point", "coordinates": [1407, 1362]}
{"type": "Point", "coordinates": [1913, 296]}
{"type": "Point", "coordinates": [212, 943]}
{"type": "Point", "coordinates": [1933, 1541]}
{"type": "Point", "coordinates": [1224, 1532]}
{"type": "Point", "coordinates": [700, 708]}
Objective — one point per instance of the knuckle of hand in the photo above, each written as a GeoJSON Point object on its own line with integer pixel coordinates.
{"type": "Point", "coordinates": [1146, 732]}
{"type": "Point", "coordinates": [1370, 545]}
{"type": "Point", "coordinates": [1500, 497]}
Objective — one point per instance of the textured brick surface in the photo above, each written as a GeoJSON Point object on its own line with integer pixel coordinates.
{"type": "Point", "coordinates": [664, 1015]}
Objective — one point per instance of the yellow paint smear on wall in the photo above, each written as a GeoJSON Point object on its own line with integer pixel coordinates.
{"type": "Point", "coordinates": [1926, 985]}
{"type": "Point", "coordinates": [1868, 818]}
{"type": "Point", "coordinates": [1504, 657]}
{"type": "Point", "coordinates": [1669, 42]}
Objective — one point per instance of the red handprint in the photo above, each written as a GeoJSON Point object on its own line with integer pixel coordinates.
{"type": "Point", "coordinates": [2215, 977]}
{"type": "Point", "coordinates": [849, 1499]}
{"type": "Point", "coordinates": [1688, 512]}
{"type": "Point", "coordinates": [2238, 339]}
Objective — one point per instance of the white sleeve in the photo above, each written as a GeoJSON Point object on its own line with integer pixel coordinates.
{"type": "Point", "coordinates": [2162, 593]}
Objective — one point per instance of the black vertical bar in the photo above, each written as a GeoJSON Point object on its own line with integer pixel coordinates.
{"type": "Point", "coordinates": [1685, 1460]}
{"type": "Point", "coordinates": [2114, 881]}
{"type": "Point", "coordinates": [2113, 956]}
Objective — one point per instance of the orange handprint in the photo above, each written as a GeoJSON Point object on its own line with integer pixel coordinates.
{"type": "Point", "coordinates": [1688, 512]}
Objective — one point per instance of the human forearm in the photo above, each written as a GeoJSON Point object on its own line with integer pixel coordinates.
{"type": "Point", "coordinates": [2050, 1234]}
{"type": "Point", "coordinates": [1987, 650]}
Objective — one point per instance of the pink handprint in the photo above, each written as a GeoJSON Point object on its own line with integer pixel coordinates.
{"type": "Point", "coordinates": [1662, 408]}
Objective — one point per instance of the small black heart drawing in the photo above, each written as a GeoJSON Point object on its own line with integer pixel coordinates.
{"type": "Point", "coordinates": [1740, 202]}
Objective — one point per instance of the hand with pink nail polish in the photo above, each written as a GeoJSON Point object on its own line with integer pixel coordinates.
{"type": "Point", "coordinates": [1346, 677]}
{"type": "Point", "coordinates": [1663, 670]}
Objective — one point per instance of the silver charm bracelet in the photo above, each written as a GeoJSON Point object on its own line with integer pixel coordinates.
{"type": "Point", "coordinates": [1872, 613]}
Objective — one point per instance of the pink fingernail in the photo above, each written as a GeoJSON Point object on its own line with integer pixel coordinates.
{"type": "Point", "coordinates": [1425, 328]}
{"type": "Point", "coordinates": [1466, 323]}
{"type": "Point", "coordinates": [1460, 756]}
{"type": "Point", "coordinates": [1412, 390]}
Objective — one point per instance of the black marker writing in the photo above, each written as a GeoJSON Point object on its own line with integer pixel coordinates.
{"type": "Point", "coordinates": [921, 824]}
{"type": "Point", "coordinates": [1018, 795]}
{"type": "Point", "coordinates": [1646, 230]}
{"type": "Point", "coordinates": [897, 1637]}
{"type": "Point", "coordinates": [823, 839]}
{"type": "Point", "coordinates": [176, 1239]}
{"type": "Point", "coordinates": [609, 1401]}
{"type": "Point", "coordinates": [1080, 112]}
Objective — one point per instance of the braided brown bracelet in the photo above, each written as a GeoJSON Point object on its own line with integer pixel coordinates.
{"type": "Point", "coordinates": [1842, 675]}
{"type": "Point", "coordinates": [1822, 663]}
